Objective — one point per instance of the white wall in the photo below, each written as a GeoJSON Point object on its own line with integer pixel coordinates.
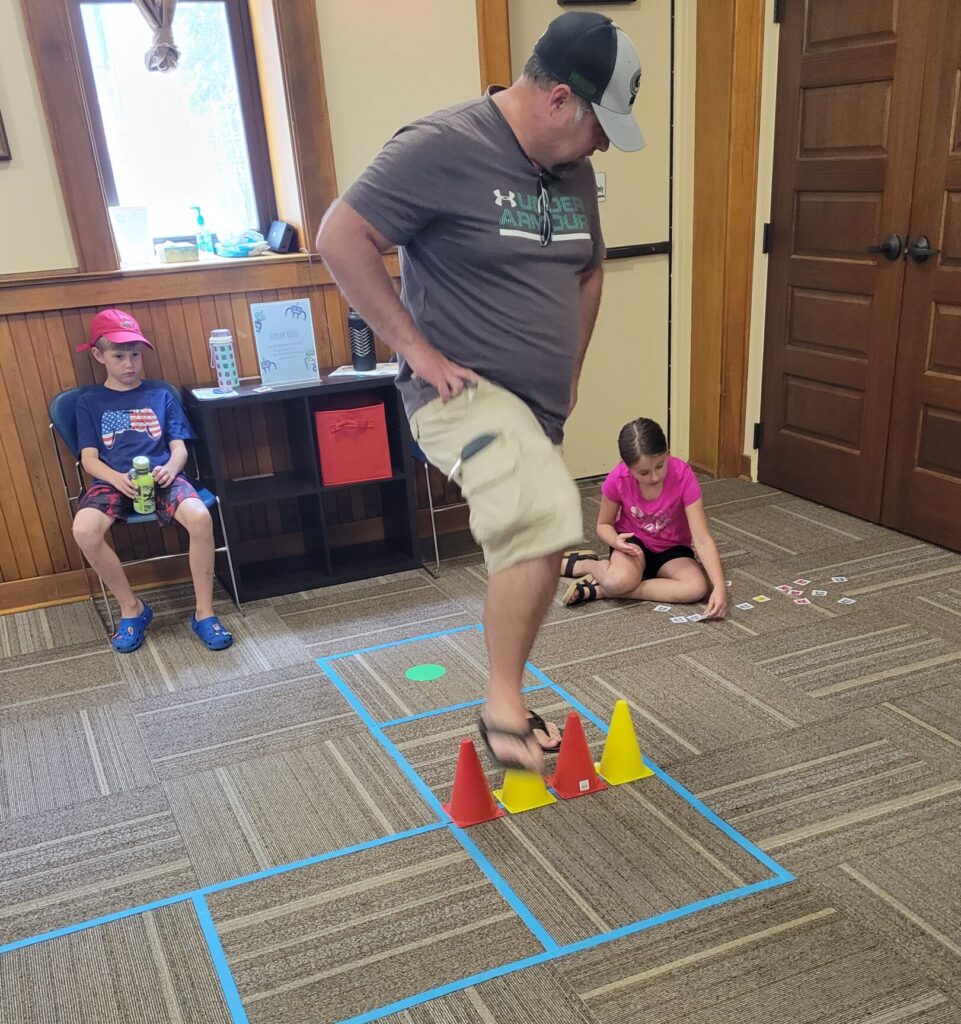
{"type": "Point", "coordinates": [626, 372]}
{"type": "Point", "coordinates": [765, 176]}
{"type": "Point", "coordinates": [389, 62]}
{"type": "Point", "coordinates": [34, 230]}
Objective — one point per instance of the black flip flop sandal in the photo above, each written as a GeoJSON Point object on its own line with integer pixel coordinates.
{"type": "Point", "coordinates": [573, 557]}
{"type": "Point", "coordinates": [580, 592]}
{"type": "Point", "coordinates": [537, 723]}
{"type": "Point", "coordinates": [486, 731]}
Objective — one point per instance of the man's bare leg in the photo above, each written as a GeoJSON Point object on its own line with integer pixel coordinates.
{"type": "Point", "coordinates": [517, 601]}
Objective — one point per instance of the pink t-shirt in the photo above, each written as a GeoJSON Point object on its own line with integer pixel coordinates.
{"type": "Point", "coordinates": [660, 522]}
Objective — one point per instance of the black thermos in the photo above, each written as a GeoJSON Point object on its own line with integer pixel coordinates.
{"type": "Point", "coordinates": [361, 342]}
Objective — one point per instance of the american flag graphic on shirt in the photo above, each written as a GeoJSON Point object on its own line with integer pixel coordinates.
{"type": "Point", "coordinates": [113, 423]}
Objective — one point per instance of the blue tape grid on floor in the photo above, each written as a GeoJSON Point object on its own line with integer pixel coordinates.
{"type": "Point", "coordinates": [551, 949]}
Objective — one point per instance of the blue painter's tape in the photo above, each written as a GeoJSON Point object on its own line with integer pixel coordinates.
{"type": "Point", "coordinates": [93, 923]}
{"type": "Point", "coordinates": [684, 794]}
{"type": "Point", "coordinates": [399, 643]}
{"type": "Point", "coordinates": [320, 858]}
{"type": "Point", "coordinates": [453, 707]}
{"type": "Point", "coordinates": [348, 694]}
{"type": "Point", "coordinates": [469, 845]}
{"type": "Point", "coordinates": [237, 1013]}
{"type": "Point", "coordinates": [558, 952]}
{"type": "Point", "coordinates": [517, 905]}
{"type": "Point", "coordinates": [219, 886]}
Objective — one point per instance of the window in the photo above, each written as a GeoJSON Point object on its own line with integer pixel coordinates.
{"type": "Point", "coordinates": [193, 136]}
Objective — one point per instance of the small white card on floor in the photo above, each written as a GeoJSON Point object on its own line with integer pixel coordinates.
{"type": "Point", "coordinates": [847, 600]}
{"type": "Point", "coordinates": [801, 600]}
{"type": "Point", "coordinates": [839, 579]}
{"type": "Point", "coordinates": [795, 593]}
{"type": "Point", "coordinates": [819, 593]}
{"type": "Point", "coordinates": [801, 583]}
{"type": "Point", "coordinates": [727, 583]}
{"type": "Point", "coordinates": [694, 618]}
{"type": "Point", "coordinates": [745, 606]}
{"type": "Point", "coordinates": [679, 619]}
{"type": "Point", "coordinates": [662, 608]}
{"type": "Point", "coordinates": [785, 588]}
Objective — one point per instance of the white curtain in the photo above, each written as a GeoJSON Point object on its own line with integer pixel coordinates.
{"type": "Point", "coordinates": [159, 14]}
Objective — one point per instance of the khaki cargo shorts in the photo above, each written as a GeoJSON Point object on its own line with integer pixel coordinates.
{"type": "Point", "coordinates": [523, 502]}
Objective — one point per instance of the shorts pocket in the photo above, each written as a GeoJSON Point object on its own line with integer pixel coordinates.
{"type": "Point", "coordinates": [490, 481]}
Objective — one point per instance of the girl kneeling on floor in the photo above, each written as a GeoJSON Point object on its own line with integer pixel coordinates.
{"type": "Point", "coordinates": [651, 514]}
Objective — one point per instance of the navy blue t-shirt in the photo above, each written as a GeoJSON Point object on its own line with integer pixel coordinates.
{"type": "Point", "coordinates": [123, 424]}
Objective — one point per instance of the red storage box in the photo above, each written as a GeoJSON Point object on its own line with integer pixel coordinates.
{"type": "Point", "coordinates": [352, 441]}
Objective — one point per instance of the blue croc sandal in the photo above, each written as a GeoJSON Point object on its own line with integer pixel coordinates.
{"type": "Point", "coordinates": [212, 634]}
{"type": "Point", "coordinates": [130, 632]}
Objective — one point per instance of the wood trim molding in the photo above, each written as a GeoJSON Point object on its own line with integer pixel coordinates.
{"type": "Point", "coordinates": [493, 42]}
{"type": "Point", "coordinates": [730, 35]}
{"type": "Point", "coordinates": [48, 24]}
{"type": "Point", "coordinates": [298, 41]}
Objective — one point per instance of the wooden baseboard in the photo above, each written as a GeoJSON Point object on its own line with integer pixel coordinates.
{"type": "Point", "coordinates": [65, 587]}
{"type": "Point", "coordinates": [746, 468]}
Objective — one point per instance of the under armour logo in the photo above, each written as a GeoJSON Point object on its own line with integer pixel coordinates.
{"type": "Point", "coordinates": [635, 84]}
{"type": "Point", "coordinates": [501, 199]}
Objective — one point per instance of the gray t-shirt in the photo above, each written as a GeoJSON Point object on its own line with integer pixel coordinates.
{"type": "Point", "coordinates": [458, 195]}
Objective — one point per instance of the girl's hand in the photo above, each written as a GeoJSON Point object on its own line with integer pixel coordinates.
{"type": "Point", "coordinates": [163, 475]}
{"type": "Point", "coordinates": [717, 604]}
{"type": "Point", "coordinates": [626, 547]}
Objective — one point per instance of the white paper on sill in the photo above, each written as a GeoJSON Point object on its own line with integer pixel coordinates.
{"type": "Point", "coordinates": [205, 393]}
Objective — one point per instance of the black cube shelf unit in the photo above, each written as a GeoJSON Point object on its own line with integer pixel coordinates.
{"type": "Point", "coordinates": [315, 546]}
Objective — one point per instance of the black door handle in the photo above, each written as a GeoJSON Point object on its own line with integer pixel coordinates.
{"type": "Point", "coordinates": [920, 249]}
{"type": "Point", "coordinates": [890, 248]}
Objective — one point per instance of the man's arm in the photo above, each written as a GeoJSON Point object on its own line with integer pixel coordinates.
{"type": "Point", "coordinates": [591, 285]}
{"type": "Point", "coordinates": [352, 248]}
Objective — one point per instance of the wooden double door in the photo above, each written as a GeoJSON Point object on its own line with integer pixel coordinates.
{"type": "Point", "coordinates": [861, 398]}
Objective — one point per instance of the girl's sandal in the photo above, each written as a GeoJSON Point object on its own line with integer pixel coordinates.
{"type": "Point", "coordinates": [573, 557]}
{"type": "Point", "coordinates": [580, 592]}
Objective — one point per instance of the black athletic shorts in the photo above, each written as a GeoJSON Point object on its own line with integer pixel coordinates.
{"type": "Point", "coordinates": [653, 560]}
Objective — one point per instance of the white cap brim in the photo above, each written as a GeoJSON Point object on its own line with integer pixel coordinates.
{"type": "Point", "coordinates": [622, 129]}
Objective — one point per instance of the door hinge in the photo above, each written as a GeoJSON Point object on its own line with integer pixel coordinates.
{"type": "Point", "coordinates": [758, 435]}
{"type": "Point", "coordinates": [777, 11]}
{"type": "Point", "coordinates": [766, 238]}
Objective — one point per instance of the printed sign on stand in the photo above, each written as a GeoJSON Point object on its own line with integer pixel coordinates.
{"type": "Point", "coordinates": [284, 336]}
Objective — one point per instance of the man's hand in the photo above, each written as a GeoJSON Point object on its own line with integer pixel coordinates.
{"type": "Point", "coordinates": [123, 483]}
{"type": "Point", "coordinates": [625, 547]}
{"type": "Point", "coordinates": [717, 604]}
{"type": "Point", "coordinates": [434, 367]}
{"type": "Point", "coordinates": [163, 475]}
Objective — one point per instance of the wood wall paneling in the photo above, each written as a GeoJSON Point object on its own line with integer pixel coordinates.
{"type": "Point", "coordinates": [493, 42]}
{"type": "Point", "coordinates": [729, 47]}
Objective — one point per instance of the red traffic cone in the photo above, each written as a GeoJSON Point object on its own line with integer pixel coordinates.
{"type": "Point", "coordinates": [470, 800]}
{"type": "Point", "coordinates": [575, 775]}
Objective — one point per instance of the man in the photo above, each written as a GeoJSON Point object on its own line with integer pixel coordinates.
{"type": "Point", "coordinates": [493, 206]}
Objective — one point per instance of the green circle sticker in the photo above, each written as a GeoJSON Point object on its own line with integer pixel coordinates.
{"type": "Point", "coordinates": [425, 673]}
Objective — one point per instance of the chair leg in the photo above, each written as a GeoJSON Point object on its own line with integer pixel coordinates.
{"type": "Point", "coordinates": [106, 604]}
{"type": "Point", "coordinates": [433, 525]}
{"type": "Point", "coordinates": [86, 569]}
{"type": "Point", "coordinates": [230, 561]}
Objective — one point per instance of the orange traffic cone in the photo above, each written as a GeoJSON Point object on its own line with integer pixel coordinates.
{"type": "Point", "coordinates": [575, 775]}
{"type": "Point", "coordinates": [470, 800]}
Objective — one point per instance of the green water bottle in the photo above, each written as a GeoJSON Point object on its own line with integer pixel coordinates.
{"type": "Point", "coordinates": [144, 502]}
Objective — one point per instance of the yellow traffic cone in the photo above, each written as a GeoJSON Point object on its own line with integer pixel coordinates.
{"type": "Point", "coordinates": [621, 761]}
{"type": "Point", "coordinates": [523, 791]}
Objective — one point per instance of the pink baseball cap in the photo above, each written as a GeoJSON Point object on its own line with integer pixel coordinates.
{"type": "Point", "coordinates": [115, 325]}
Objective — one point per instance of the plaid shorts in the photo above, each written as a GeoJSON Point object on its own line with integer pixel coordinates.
{"type": "Point", "coordinates": [111, 502]}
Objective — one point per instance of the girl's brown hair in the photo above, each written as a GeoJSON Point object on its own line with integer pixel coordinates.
{"type": "Point", "coordinates": [640, 437]}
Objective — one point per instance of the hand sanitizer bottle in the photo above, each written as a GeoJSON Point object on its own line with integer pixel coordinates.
{"type": "Point", "coordinates": [205, 240]}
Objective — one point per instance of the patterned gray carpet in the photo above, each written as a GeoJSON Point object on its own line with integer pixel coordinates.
{"type": "Point", "coordinates": [828, 734]}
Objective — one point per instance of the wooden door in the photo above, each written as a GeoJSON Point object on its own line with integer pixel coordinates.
{"type": "Point", "coordinates": [922, 486]}
{"type": "Point", "coordinates": [846, 136]}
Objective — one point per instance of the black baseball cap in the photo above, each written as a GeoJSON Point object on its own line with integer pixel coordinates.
{"type": "Point", "coordinates": [588, 52]}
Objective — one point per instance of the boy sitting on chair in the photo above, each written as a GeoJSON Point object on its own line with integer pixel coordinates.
{"type": "Point", "coordinates": [116, 421]}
